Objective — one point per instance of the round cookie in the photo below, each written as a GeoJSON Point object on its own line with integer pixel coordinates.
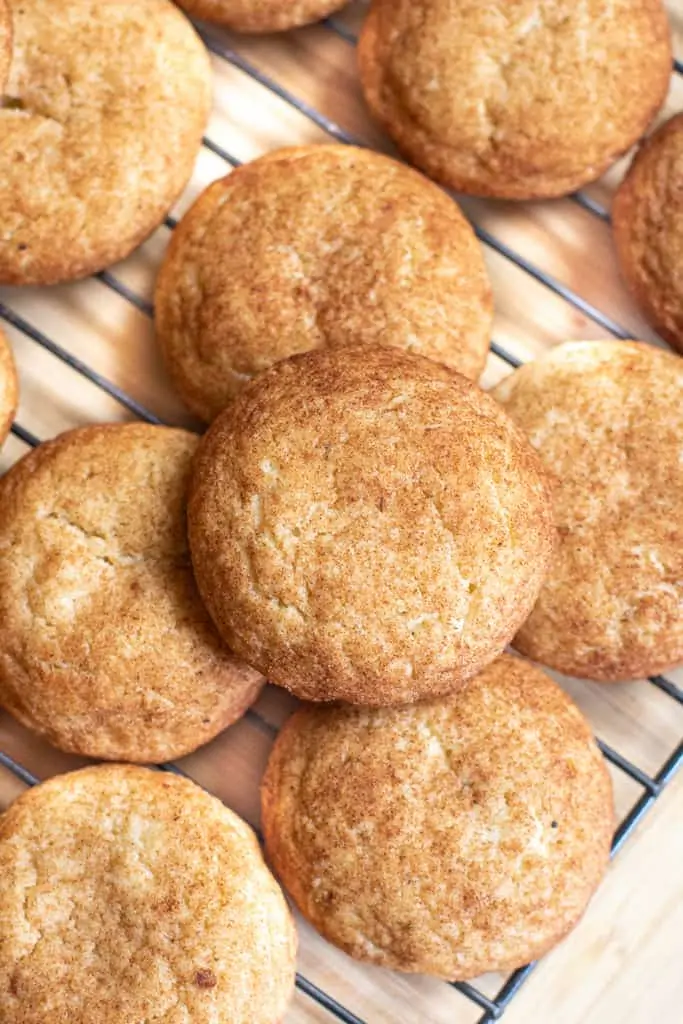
{"type": "Point", "coordinates": [105, 647]}
{"type": "Point", "coordinates": [103, 118]}
{"type": "Point", "coordinates": [647, 217]}
{"type": "Point", "coordinates": [521, 101]}
{"type": "Point", "coordinates": [368, 526]}
{"type": "Point", "coordinates": [607, 420]}
{"type": "Point", "coordinates": [453, 837]}
{"type": "Point", "coordinates": [133, 895]}
{"type": "Point", "coordinates": [9, 388]}
{"type": "Point", "coordinates": [316, 246]}
{"type": "Point", "coordinates": [261, 15]}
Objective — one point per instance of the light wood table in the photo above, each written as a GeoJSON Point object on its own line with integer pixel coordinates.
{"type": "Point", "coordinates": [622, 963]}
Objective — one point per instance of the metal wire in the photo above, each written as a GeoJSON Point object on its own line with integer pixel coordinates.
{"type": "Point", "coordinates": [630, 769]}
{"type": "Point", "coordinates": [25, 435]}
{"type": "Point", "coordinates": [341, 30]}
{"type": "Point", "coordinates": [125, 292]}
{"type": "Point", "coordinates": [23, 774]}
{"type": "Point", "coordinates": [117, 393]}
{"type": "Point", "coordinates": [592, 205]}
{"type": "Point", "coordinates": [668, 687]}
{"type": "Point", "coordinates": [493, 1008]}
{"type": "Point", "coordinates": [219, 151]}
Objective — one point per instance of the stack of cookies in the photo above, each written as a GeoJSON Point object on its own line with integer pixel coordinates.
{"type": "Point", "coordinates": [360, 525]}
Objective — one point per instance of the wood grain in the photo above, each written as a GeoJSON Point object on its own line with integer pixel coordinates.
{"type": "Point", "coordinates": [621, 964]}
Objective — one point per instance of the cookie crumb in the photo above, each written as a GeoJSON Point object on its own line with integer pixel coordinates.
{"type": "Point", "coordinates": [205, 979]}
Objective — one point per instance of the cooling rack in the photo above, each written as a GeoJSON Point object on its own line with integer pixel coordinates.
{"type": "Point", "coordinates": [85, 353]}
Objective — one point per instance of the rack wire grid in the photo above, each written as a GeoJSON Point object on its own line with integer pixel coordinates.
{"type": "Point", "coordinates": [227, 49]}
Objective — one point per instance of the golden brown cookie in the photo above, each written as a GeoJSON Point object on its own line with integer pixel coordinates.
{"type": "Point", "coordinates": [315, 246]}
{"type": "Point", "coordinates": [9, 388]}
{"type": "Point", "coordinates": [607, 420]}
{"type": "Point", "coordinates": [519, 100]}
{"type": "Point", "coordinates": [368, 526]}
{"type": "Point", "coordinates": [105, 647]}
{"type": "Point", "coordinates": [261, 15]}
{"type": "Point", "coordinates": [103, 117]}
{"type": "Point", "coordinates": [133, 895]}
{"type": "Point", "coordinates": [647, 217]}
{"type": "Point", "coordinates": [457, 836]}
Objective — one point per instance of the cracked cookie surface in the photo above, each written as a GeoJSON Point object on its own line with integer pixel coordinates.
{"type": "Point", "coordinates": [261, 15]}
{"type": "Point", "coordinates": [519, 100]}
{"type": "Point", "coordinates": [647, 218]}
{"type": "Point", "coordinates": [317, 246]}
{"type": "Point", "coordinates": [9, 387]}
{"type": "Point", "coordinates": [367, 525]}
{"type": "Point", "coordinates": [132, 895]}
{"type": "Point", "coordinates": [103, 115]}
{"type": "Point", "coordinates": [105, 647]}
{"type": "Point", "coordinates": [452, 837]}
{"type": "Point", "coordinates": [607, 421]}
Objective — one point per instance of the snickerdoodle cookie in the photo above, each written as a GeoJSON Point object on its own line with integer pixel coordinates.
{"type": "Point", "coordinates": [366, 525]}
{"type": "Point", "coordinates": [9, 389]}
{"type": "Point", "coordinates": [452, 837]}
{"type": "Point", "coordinates": [607, 420]}
{"type": "Point", "coordinates": [133, 895]}
{"type": "Point", "coordinates": [314, 246]}
{"type": "Point", "coordinates": [105, 647]}
{"type": "Point", "coordinates": [519, 100]}
{"type": "Point", "coordinates": [647, 216]}
{"type": "Point", "coordinates": [261, 15]}
{"type": "Point", "coordinates": [102, 119]}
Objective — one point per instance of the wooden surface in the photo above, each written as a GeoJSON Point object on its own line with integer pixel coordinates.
{"type": "Point", "coordinates": [622, 963]}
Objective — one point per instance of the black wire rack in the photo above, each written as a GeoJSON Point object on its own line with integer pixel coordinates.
{"type": "Point", "coordinates": [650, 786]}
